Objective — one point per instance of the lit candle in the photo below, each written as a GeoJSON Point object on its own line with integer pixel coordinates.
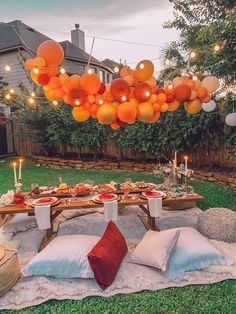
{"type": "Point", "coordinates": [186, 164]}
{"type": "Point", "coordinates": [175, 158]}
{"type": "Point", "coordinates": [20, 161]}
{"type": "Point", "coordinates": [14, 165]}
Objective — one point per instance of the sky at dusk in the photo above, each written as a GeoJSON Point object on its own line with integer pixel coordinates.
{"type": "Point", "coordinates": [128, 20]}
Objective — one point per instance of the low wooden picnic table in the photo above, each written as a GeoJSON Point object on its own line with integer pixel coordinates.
{"type": "Point", "coordinates": [80, 203]}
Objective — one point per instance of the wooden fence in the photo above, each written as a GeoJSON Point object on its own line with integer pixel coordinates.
{"type": "Point", "coordinates": [26, 144]}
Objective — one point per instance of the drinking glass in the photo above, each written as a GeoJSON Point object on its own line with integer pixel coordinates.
{"type": "Point", "coordinates": [167, 185]}
{"type": "Point", "coordinates": [73, 192]}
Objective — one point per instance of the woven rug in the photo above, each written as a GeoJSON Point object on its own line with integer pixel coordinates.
{"type": "Point", "coordinates": [130, 278]}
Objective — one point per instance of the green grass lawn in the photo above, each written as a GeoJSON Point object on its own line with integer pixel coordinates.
{"type": "Point", "coordinates": [216, 298]}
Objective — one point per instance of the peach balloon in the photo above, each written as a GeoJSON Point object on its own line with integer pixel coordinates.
{"type": "Point", "coordinates": [145, 111]}
{"type": "Point", "coordinates": [161, 98]}
{"type": "Point", "coordinates": [151, 81]}
{"type": "Point", "coordinates": [50, 95]}
{"type": "Point", "coordinates": [126, 71]}
{"type": "Point", "coordinates": [94, 108]}
{"type": "Point", "coordinates": [90, 83]}
{"type": "Point", "coordinates": [39, 62]}
{"type": "Point", "coordinates": [67, 86]}
{"type": "Point", "coordinates": [155, 117]}
{"type": "Point", "coordinates": [144, 70]}
{"type": "Point", "coordinates": [119, 89]}
{"type": "Point", "coordinates": [202, 92]}
{"type": "Point", "coordinates": [133, 101]}
{"type": "Point", "coordinates": [211, 83]}
{"type": "Point", "coordinates": [153, 98]}
{"type": "Point", "coordinates": [51, 71]}
{"type": "Point", "coordinates": [164, 107]}
{"type": "Point", "coordinates": [206, 99]}
{"type": "Point", "coordinates": [106, 114]}
{"type": "Point", "coordinates": [127, 112]}
{"type": "Point", "coordinates": [51, 51]}
{"type": "Point", "coordinates": [174, 105]}
{"type": "Point", "coordinates": [66, 99]}
{"type": "Point", "coordinates": [193, 106]}
{"type": "Point", "coordinates": [75, 80]}
{"type": "Point", "coordinates": [115, 125]}
{"type": "Point", "coordinates": [193, 95]}
{"type": "Point", "coordinates": [29, 64]}
{"type": "Point", "coordinates": [80, 114]}
{"type": "Point", "coordinates": [87, 106]}
{"type": "Point", "coordinates": [59, 92]}
{"type": "Point", "coordinates": [142, 92]}
{"type": "Point", "coordinates": [156, 107]}
{"type": "Point", "coordinates": [129, 79]}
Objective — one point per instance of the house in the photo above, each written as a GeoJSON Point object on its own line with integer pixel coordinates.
{"type": "Point", "coordinates": [17, 38]}
{"type": "Point", "coordinates": [19, 41]}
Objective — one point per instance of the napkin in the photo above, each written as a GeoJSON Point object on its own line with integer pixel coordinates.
{"type": "Point", "coordinates": [42, 214]}
{"type": "Point", "coordinates": [155, 206]}
{"type": "Point", "coordinates": [111, 211]}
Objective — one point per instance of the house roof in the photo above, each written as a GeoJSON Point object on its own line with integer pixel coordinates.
{"type": "Point", "coordinates": [17, 35]}
{"type": "Point", "coordinates": [111, 63]}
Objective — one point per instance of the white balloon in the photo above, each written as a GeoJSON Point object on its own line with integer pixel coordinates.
{"type": "Point", "coordinates": [209, 106]}
{"type": "Point", "coordinates": [231, 119]}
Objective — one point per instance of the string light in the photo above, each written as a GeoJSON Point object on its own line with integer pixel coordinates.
{"type": "Point", "coordinates": [194, 78]}
{"type": "Point", "coordinates": [123, 98]}
{"type": "Point", "coordinates": [100, 102]}
{"type": "Point", "coordinates": [170, 86]}
{"type": "Point", "coordinates": [55, 102]}
{"type": "Point", "coordinates": [31, 100]}
{"type": "Point", "coordinates": [32, 94]}
{"type": "Point", "coordinates": [90, 71]}
{"type": "Point", "coordinates": [12, 91]}
{"type": "Point", "coordinates": [8, 96]}
{"type": "Point", "coordinates": [77, 102]}
{"type": "Point", "coordinates": [147, 93]}
{"type": "Point", "coordinates": [116, 69]}
{"type": "Point", "coordinates": [62, 71]}
{"type": "Point", "coordinates": [217, 47]}
{"type": "Point", "coordinates": [193, 55]}
{"type": "Point", "coordinates": [167, 61]}
{"type": "Point", "coordinates": [36, 70]}
{"type": "Point", "coordinates": [141, 66]}
{"type": "Point", "coordinates": [7, 68]}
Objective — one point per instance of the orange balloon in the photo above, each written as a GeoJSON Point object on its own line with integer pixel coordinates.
{"type": "Point", "coordinates": [202, 92]}
{"type": "Point", "coordinates": [29, 64]}
{"type": "Point", "coordinates": [164, 107]}
{"type": "Point", "coordinates": [133, 101]}
{"type": "Point", "coordinates": [115, 104]}
{"type": "Point", "coordinates": [80, 114]}
{"type": "Point", "coordinates": [93, 108]}
{"type": "Point", "coordinates": [46, 87]}
{"type": "Point", "coordinates": [131, 92]}
{"type": "Point", "coordinates": [54, 82]}
{"type": "Point", "coordinates": [126, 71]}
{"type": "Point", "coordinates": [144, 70]}
{"type": "Point", "coordinates": [51, 71]}
{"type": "Point", "coordinates": [39, 62]}
{"type": "Point", "coordinates": [129, 79]}
{"type": "Point", "coordinates": [91, 99]}
{"type": "Point", "coordinates": [206, 99]}
{"type": "Point", "coordinates": [99, 99]}
{"type": "Point", "coordinates": [151, 81]}
{"type": "Point", "coordinates": [193, 95]}
{"type": "Point", "coordinates": [87, 106]}
{"type": "Point", "coordinates": [63, 78]}
{"type": "Point", "coordinates": [156, 107]}
{"type": "Point", "coordinates": [174, 105]}
{"type": "Point", "coordinates": [75, 80]}
{"type": "Point", "coordinates": [67, 86]}
{"type": "Point", "coordinates": [155, 117]}
{"type": "Point", "coordinates": [142, 91]}
{"type": "Point", "coordinates": [182, 92]}
{"type": "Point", "coordinates": [145, 111]}
{"type": "Point", "coordinates": [127, 112]}
{"type": "Point", "coordinates": [106, 114]}
{"type": "Point", "coordinates": [169, 98]}
{"type": "Point", "coordinates": [59, 92]}
{"type": "Point", "coordinates": [153, 98]}
{"type": "Point", "coordinates": [115, 125]}
{"type": "Point", "coordinates": [191, 84]}
{"type": "Point", "coordinates": [108, 96]}
{"type": "Point", "coordinates": [50, 95]}
{"type": "Point", "coordinates": [51, 52]}
{"type": "Point", "coordinates": [193, 106]}
{"type": "Point", "coordinates": [161, 98]}
{"type": "Point", "coordinates": [66, 99]}
{"type": "Point", "coordinates": [119, 89]}
{"type": "Point", "coordinates": [90, 83]}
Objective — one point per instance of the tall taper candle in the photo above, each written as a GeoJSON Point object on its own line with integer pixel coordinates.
{"type": "Point", "coordinates": [15, 178]}
{"type": "Point", "coordinates": [176, 159]}
{"type": "Point", "coordinates": [20, 161]}
{"type": "Point", "coordinates": [186, 165]}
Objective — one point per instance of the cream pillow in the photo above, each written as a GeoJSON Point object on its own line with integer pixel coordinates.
{"type": "Point", "coordinates": [156, 248]}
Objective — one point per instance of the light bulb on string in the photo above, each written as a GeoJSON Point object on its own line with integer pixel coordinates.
{"type": "Point", "coordinates": [100, 102]}
{"type": "Point", "coordinates": [7, 68]}
{"type": "Point", "coordinates": [12, 91]}
{"type": "Point", "coordinates": [62, 71]}
{"type": "Point", "coordinates": [36, 70]}
{"type": "Point", "coordinates": [55, 102]}
{"type": "Point", "coordinates": [116, 69]}
{"type": "Point", "coordinates": [8, 96]}
{"type": "Point", "coordinates": [31, 100]}
{"type": "Point", "coordinates": [217, 47]}
{"type": "Point", "coordinates": [194, 77]}
{"type": "Point", "coordinates": [147, 93]}
{"type": "Point", "coordinates": [90, 71]}
{"type": "Point", "coordinates": [167, 61]}
{"type": "Point", "coordinates": [193, 54]}
{"type": "Point", "coordinates": [142, 66]}
{"type": "Point", "coordinates": [170, 86]}
{"type": "Point", "coordinates": [123, 98]}
{"type": "Point", "coordinates": [77, 102]}
{"type": "Point", "coordinates": [32, 94]}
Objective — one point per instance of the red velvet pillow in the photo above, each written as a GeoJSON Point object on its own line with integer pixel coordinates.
{"type": "Point", "coordinates": [106, 256]}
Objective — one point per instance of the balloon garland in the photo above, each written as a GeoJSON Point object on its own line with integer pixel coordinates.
{"type": "Point", "coordinates": [134, 96]}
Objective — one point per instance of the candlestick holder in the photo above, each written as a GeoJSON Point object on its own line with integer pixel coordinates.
{"type": "Point", "coordinates": [18, 186]}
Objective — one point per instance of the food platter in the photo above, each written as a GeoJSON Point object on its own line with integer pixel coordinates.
{"type": "Point", "coordinates": [121, 187]}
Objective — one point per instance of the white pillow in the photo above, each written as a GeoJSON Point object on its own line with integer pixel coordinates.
{"type": "Point", "coordinates": [20, 222]}
{"type": "Point", "coordinates": [63, 257]}
{"type": "Point", "coordinates": [155, 248]}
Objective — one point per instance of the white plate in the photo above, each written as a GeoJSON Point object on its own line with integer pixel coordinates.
{"type": "Point", "coordinates": [96, 198]}
{"type": "Point", "coordinates": [40, 202]}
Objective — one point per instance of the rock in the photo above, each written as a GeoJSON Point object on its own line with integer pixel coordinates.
{"type": "Point", "coordinates": [221, 177]}
{"type": "Point", "coordinates": [211, 179]}
{"type": "Point", "coordinates": [218, 224]}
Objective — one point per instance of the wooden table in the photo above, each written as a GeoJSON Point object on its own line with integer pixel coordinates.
{"type": "Point", "coordinates": [134, 199]}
